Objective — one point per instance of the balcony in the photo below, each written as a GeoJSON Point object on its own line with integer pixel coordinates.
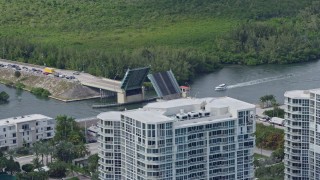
{"type": "Point", "coordinates": [49, 129]}
{"type": "Point", "coordinates": [293, 167]}
{"type": "Point", "coordinates": [293, 126]}
{"type": "Point", "coordinates": [294, 140]}
{"type": "Point", "coordinates": [294, 160]}
{"type": "Point", "coordinates": [104, 126]}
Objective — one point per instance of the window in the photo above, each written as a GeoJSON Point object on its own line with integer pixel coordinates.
{"type": "Point", "coordinates": [14, 141]}
{"type": "Point", "coordinates": [25, 126]}
{"type": "Point", "coordinates": [4, 129]}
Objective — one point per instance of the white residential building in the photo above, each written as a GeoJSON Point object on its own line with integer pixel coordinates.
{"type": "Point", "coordinates": [109, 149]}
{"type": "Point", "coordinates": [296, 135]}
{"type": "Point", "coordinates": [314, 134]}
{"type": "Point", "coordinates": [25, 130]}
{"type": "Point", "coordinates": [208, 138]}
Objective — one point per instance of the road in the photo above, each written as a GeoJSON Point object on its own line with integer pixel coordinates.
{"type": "Point", "coordinates": [260, 111]}
{"type": "Point", "coordinates": [84, 78]}
{"type": "Point", "coordinates": [92, 147]}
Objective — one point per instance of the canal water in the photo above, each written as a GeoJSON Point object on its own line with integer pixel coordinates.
{"type": "Point", "coordinates": [247, 83]}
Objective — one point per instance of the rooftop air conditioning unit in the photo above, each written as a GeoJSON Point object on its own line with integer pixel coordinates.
{"type": "Point", "coordinates": [193, 114]}
{"type": "Point", "coordinates": [182, 116]}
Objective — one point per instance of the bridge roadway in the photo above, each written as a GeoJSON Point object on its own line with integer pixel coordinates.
{"type": "Point", "coordinates": [84, 78]}
{"type": "Point", "coordinates": [96, 82]}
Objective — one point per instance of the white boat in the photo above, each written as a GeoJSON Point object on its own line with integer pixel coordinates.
{"type": "Point", "coordinates": [221, 87]}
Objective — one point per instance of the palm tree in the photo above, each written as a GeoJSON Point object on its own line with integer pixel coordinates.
{"type": "Point", "coordinates": [64, 151]}
{"type": "Point", "coordinates": [36, 163]}
{"type": "Point", "coordinates": [51, 150]}
{"type": "Point", "coordinates": [263, 101]}
{"type": "Point", "coordinates": [36, 148]}
{"type": "Point", "coordinates": [81, 150]}
{"type": "Point", "coordinates": [11, 153]}
{"type": "Point", "coordinates": [275, 106]}
{"type": "Point", "coordinates": [270, 99]}
{"type": "Point", "coordinates": [3, 163]}
{"type": "Point", "coordinates": [42, 150]}
{"type": "Point", "coordinates": [46, 148]}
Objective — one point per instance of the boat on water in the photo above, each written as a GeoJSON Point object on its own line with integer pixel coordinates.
{"type": "Point", "coordinates": [221, 87]}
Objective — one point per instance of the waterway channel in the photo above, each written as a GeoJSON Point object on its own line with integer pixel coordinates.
{"type": "Point", "coordinates": [246, 83]}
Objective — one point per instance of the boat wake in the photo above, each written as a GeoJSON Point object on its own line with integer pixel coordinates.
{"type": "Point", "coordinates": [259, 81]}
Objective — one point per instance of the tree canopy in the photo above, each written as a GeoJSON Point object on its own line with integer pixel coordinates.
{"type": "Point", "coordinates": [67, 129]}
{"type": "Point", "coordinates": [269, 137]}
{"type": "Point", "coordinates": [189, 37]}
{"type": "Point", "coordinates": [4, 97]}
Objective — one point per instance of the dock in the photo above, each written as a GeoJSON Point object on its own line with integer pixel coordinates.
{"type": "Point", "coordinates": [95, 106]}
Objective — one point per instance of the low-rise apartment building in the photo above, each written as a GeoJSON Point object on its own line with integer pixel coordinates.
{"type": "Point", "coordinates": [25, 130]}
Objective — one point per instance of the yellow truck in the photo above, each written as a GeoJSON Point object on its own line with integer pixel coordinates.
{"type": "Point", "coordinates": [48, 70]}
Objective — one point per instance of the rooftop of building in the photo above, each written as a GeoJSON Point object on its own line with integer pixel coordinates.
{"type": "Point", "coordinates": [162, 111]}
{"type": "Point", "coordinates": [93, 128]}
{"type": "Point", "coordinates": [316, 91]}
{"type": "Point", "coordinates": [146, 116]}
{"type": "Point", "coordinates": [26, 118]}
{"type": "Point", "coordinates": [298, 94]}
{"type": "Point", "coordinates": [110, 115]}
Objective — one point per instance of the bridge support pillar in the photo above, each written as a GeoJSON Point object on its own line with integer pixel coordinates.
{"type": "Point", "coordinates": [130, 96]}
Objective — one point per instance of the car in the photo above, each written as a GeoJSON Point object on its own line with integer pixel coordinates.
{"type": "Point", "coordinates": [45, 73]}
{"type": "Point", "coordinates": [92, 141]}
{"type": "Point", "coordinates": [72, 77]}
{"type": "Point", "coordinates": [76, 73]}
{"type": "Point", "coordinates": [61, 76]}
{"type": "Point", "coordinates": [264, 118]}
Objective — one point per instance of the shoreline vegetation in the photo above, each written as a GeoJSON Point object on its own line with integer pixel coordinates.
{"type": "Point", "coordinates": [189, 37]}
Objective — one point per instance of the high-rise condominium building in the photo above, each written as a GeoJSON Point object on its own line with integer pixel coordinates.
{"type": "Point", "coordinates": [109, 150]}
{"type": "Point", "coordinates": [208, 138]}
{"type": "Point", "coordinates": [25, 130]}
{"type": "Point", "coordinates": [296, 135]}
{"type": "Point", "coordinates": [302, 135]}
